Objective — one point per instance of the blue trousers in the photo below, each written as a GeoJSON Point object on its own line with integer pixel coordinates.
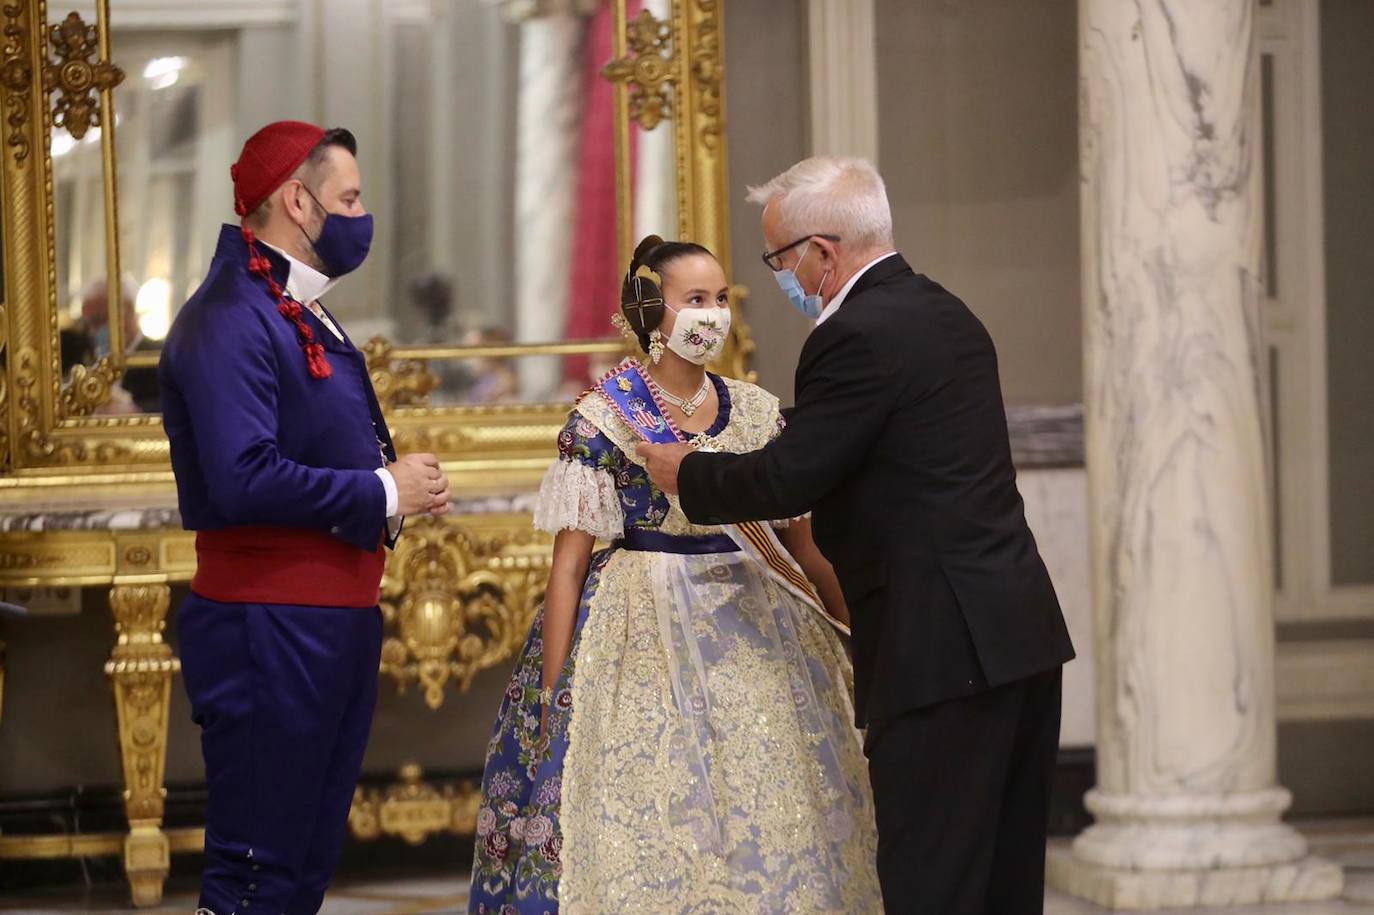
{"type": "Point", "coordinates": [284, 697]}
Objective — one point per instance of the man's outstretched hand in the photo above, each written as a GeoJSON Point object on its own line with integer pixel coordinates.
{"type": "Point", "coordinates": [662, 462]}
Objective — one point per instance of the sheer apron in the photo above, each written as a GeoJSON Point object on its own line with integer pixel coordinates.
{"type": "Point", "coordinates": [712, 762]}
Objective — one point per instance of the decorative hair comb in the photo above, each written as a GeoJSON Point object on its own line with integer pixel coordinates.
{"type": "Point", "coordinates": [641, 300]}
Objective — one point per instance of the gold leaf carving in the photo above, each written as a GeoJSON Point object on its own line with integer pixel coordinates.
{"type": "Point", "coordinates": [648, 69]}
{"type": "Point", "coordinates": [398, 382]}
{"type": "Point", "coordinates": [89, 388]}
{"type": "Point", "coordinates": [457, 605]}
{"type": "Point", "coordinates": [141, 668]}
{"type": "Point", "coordinates": [78, 75]}
{"type": "Point", "coordinates": [414, 809]}
{"type": "Point", "coordinates": [707, 75]}
{"type": "Point", "coordinates": [17, 76]}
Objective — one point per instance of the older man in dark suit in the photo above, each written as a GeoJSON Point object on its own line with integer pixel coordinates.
{"type": "Point", "coordinates": [898, 445]}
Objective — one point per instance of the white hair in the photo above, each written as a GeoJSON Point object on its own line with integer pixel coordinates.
{"type": "Point", "coordinates": [836, 195]}
{"type": "Point", "coordinates": [99, 287]}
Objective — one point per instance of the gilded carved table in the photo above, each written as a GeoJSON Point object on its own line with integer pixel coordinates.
{"type": "Point", "coordinates": [458, 597]}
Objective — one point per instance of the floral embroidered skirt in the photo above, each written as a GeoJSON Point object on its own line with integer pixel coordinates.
{"type": "Point", "coordinates": [702, 739]}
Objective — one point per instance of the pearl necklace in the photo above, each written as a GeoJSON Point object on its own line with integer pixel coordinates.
{"type": "Point", "coordinates": [688, 405]}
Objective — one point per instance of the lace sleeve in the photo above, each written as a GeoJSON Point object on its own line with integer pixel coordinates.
{"type": "Point", "coordinates": [578, 492]}
{"type": "Point", "coordinates": [579, 497]}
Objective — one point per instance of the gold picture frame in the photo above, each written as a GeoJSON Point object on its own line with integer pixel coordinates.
{"type": "Point", "coordinates": [53, 450]}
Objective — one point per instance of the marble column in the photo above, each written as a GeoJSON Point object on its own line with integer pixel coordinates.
{"type": "Point", "coordinates": [1187, 804]}
{"type": "Point", "coordinates": [549, 109]}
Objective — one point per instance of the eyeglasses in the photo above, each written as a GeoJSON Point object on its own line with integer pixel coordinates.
{"type": "Point", "coordinates": [774, 262]}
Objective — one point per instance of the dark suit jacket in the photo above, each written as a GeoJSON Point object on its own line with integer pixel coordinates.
{"type": "Point", "coordinates": [898, 445]}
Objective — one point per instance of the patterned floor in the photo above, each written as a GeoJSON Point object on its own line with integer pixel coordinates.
{"type": "Point", "coordinates": [1350, 843]}
{"type": "Point", "coordinates": [404, 896]}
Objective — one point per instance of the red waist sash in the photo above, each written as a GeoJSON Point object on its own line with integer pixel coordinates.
{"type": "Point", "coordinates": [278, 565]}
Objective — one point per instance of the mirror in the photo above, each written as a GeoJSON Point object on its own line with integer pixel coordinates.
{"type": "Point", "coordinates": [651, 101]}
{"type": "Point", "coordinates": [487, 146]}
{"type": "Point", "coordinates": [498, 152]}
{"type": "Point", "coordinates": [79, 247]}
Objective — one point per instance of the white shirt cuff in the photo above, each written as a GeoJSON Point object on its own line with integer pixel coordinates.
{"type": "Point", "coordinates": [393, 497]}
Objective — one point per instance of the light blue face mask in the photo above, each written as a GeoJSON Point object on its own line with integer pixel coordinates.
{"type": "Point", "coordinates": [809, 305]}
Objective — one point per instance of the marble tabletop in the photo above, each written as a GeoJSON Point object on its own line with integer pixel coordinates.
{"type": "Point", "coordinates": [1046, 436]}
{"type": "Point", "coordinates": [1041, 436]}
{"type": "Point", "coordinates": [136, 519]}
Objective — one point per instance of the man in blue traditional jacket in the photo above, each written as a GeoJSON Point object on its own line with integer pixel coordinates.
{"type": "Point", "coordinates": [286, 471]}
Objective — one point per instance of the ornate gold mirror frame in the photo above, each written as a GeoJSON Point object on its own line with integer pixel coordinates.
{"type": "Point", "coordinates": [460, 593]}
{"type": "Point", "coordinates": [61, 73]}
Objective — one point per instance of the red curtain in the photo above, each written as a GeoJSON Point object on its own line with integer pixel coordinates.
{"type": "Point", "coordinates": [596, 267]}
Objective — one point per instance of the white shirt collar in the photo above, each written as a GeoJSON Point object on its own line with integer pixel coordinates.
{"type": "Point", "coordinates": [835, 303]}
{"type": "Point", "coordinates": [304, 283]}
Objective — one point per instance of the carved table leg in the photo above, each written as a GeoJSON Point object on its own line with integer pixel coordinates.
{"type": "Point", "coordinates": [141, 668]}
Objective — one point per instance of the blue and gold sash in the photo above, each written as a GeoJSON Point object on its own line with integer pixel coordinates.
{"type": "Point", "coordinates": [634, 397]}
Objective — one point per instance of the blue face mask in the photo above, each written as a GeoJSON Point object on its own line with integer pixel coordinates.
{"type": "Point", "coordinates": [343, 242]}
{"type": "Point", "coordinates": [809, 305]}
{"type": "Point", "coordinates": [101, 343]}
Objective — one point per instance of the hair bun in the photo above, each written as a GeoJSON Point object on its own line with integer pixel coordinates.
{"type": "Point", "coordinates": [642, 250]}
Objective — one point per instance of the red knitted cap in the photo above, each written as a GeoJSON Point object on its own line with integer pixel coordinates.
{"type": "Point", "coordinates": [270, 157]}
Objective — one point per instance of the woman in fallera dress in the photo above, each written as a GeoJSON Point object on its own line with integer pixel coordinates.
{"type": "Point", "coordinates": [678, 732]}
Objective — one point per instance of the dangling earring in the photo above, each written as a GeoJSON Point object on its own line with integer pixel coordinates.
{"type": "Point", "coordinates": [655, 346]}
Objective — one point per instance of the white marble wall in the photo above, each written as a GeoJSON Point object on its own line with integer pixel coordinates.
{"type": "Point", "coordinates": [1057, 511]}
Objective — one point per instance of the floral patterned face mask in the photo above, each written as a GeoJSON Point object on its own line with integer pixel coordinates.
{"type": "Point", "coordinates": [699, 333]}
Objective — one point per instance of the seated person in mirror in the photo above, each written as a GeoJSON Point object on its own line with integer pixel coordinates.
{"type": "Point", "coordinates": [136, 391]}
{"type": "Point", "coordinates": [75, 345]}
{"type": "Point", "coordinates": [678, 732]}
{"type": "Point", "coordinates": [432, 296]}
{"type": "Point", "coordinates": [492, 379]}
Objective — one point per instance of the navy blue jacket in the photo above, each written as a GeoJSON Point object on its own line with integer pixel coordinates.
{"type": "Point", "coordinates": [255, 439]}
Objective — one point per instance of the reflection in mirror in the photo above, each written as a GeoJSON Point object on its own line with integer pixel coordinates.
{"type": "Point", "coordinates": [83, 295]}
{"type": "Point", "coordinates": [173, 139]}
{"type": "Point", "coordinates": [654, 187]}
{"type": "Point", "coordinates": [172, 134]}
{"type": "Point", "coordinates": [567, 277]}
{"type": "Point", "coordinates": [655, 182]}
{"type": "Point", "coordinates": [491, 380]}
{"type": "Point", "coordinates": [486, 143]}
{"type": "Point", "coordinates": [566, 181]}
{"type": "Point", "coordinates": [79, 241]}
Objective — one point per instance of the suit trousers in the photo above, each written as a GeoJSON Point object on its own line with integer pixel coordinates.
{"type": "Point", "coordinates": [284, 697]}
{"type": "Point", "coordinates": [962, 793]}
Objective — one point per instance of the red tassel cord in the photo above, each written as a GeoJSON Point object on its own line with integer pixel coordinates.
{"type": "Point", "coordinates": [288, 308]}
